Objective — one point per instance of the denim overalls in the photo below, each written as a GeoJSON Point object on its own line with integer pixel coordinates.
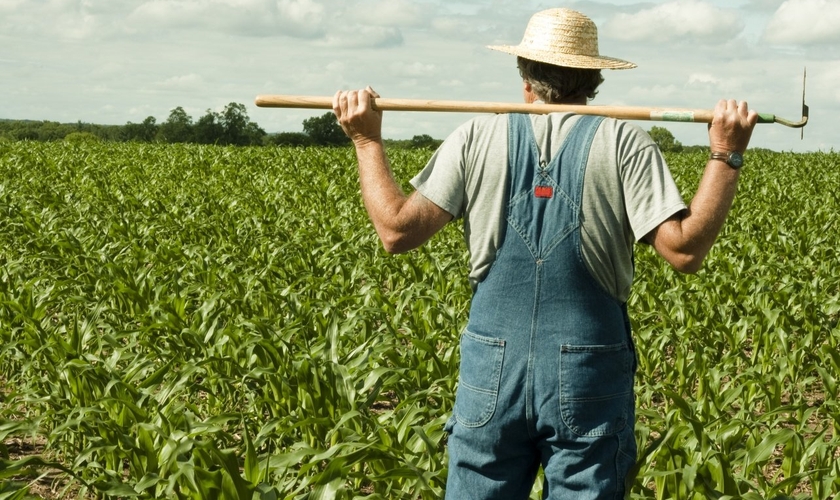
{"type": "Point", "coordinates": [547, 360]}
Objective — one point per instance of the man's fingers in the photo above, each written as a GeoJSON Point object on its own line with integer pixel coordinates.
{"type": "Point", "coordinates": [350, 101]}
{"type": "Point", "coordinates": [336, 104]}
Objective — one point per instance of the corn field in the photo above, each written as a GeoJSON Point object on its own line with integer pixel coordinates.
{"type": "Point", "coordinates": [190, 322]}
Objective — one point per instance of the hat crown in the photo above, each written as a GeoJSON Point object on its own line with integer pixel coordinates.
{"type": "Point", "coordinates": [563, 37]}
{"type": "Point", "coordinates": [562, 30]}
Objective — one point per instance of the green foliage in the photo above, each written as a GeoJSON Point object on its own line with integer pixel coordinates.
{"type": "Point", "coordinates": [230, 127]}
{"type": "Point", "coordinates": [425, 141]}
{"type": "Point", "coordinates": [665, 140]}
{"type": "Point", "coordinates": [190, 321]}
{"type": "Point", "coordinates": [177, 128]}
{"type": "Point", "coordinates": [737, 363]}
{"type": "Point", "coordinates": [76, 137]}
{"type": "Point", "coordinates": [291, 139]}
{"type": "Point", "coordinates": [189, 329]}
{"type": "Point", "coordinates": [209, 128]}
{"type": "Point", "coordinates": [325, 130]}
{"type": "Point", "coordinates": [239, 130]}
{"type": "Point", "coordinates": [31, 130]}
{"type": "Point", "coordinates": [146, 131]}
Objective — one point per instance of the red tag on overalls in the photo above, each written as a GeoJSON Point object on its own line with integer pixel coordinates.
{"type": "Point", "coordinates": [543, 191]}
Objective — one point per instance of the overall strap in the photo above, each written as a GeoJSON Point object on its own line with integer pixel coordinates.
{"type": "Point", "coordinates": [574, 155]}
{"type": "Point", "coordinates": [544, 199]}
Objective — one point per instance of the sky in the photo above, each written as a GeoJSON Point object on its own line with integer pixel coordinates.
{"type": "Point", "coordinates": [119, 61]}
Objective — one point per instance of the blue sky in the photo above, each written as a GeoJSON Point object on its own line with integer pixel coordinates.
{"type": "Point", "coordinates": [115, 61]}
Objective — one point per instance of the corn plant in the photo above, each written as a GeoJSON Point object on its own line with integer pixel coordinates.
{"type": "Point", "coordinates": [193, 321]}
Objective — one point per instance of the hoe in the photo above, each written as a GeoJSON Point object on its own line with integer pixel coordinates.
{"type": "Point", "coordinates": [621, 112]}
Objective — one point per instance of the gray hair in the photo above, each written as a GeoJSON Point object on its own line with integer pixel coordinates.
{"type": "Point", "coordinates": [553, 83]}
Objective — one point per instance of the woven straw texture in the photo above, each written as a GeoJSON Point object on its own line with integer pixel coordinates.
{"type": "Point", "coordinates": [563, 37]}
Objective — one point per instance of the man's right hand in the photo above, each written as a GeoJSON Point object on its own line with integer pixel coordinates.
{"type": "Point", "coordinates": [731, 126]}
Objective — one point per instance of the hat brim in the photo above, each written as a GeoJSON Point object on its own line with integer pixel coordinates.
{"type": "Point", "coordinates": [566, 60]}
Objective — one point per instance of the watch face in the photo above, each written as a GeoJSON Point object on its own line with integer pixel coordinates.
{"type": "Point", "coordinates": [736, 160]}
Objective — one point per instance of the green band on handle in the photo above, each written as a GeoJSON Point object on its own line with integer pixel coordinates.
{"type": "Point", "coordinates": [672, 116]}
{"type": "Point", "coordinates": [766, 118]}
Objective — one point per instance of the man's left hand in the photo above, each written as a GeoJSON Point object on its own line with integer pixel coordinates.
{"type": "Point", "coordinates": [357, 116]}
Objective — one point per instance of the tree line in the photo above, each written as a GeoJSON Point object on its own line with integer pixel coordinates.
{"type": "Point", "coordinates": [231, 126]}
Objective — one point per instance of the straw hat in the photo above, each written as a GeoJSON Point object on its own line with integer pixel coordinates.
{"type": "Point", "coordinates": [563, 37]}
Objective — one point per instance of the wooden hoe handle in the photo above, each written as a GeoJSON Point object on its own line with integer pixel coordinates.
{"type": "Point", "coordinates": [621, 112]}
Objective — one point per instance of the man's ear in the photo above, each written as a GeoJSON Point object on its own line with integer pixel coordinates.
{"type": "Point", "coordinates": [527, 92]}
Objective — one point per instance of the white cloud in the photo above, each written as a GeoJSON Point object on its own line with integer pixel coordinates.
{"type": "Point", "coordinates": [304, 17]}
{"type": "Point", "coordinates": [400, 13]}
{"type": "Point", "coordinates": [822, 83]}
{"type": "Point", "coordinates": [295, 18]}
{"type": "Point", "coordinates": [412, 70]}
{"type": "Point", "coordinates": [805, 22]}
{"type": "Point", "coordinates": [181, 82]}
{"type": "Point", "coordinates": [763, 5]}
{"type": "Point", "coordinates": [677, 21]}
{"type": "Point", "coordinates": [55, 18]}
{"type": "Point", "coordinates": [702, 79]}
{"type": "Point", "coordinates": [10, 5]}
{"type": "Point", "coordinates": [364, 36]}
{"type": "Point", "coordinates": [335, 67]}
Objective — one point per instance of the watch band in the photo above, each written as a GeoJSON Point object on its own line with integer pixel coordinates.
{"type": "Point", "coordinates": [734, 159]}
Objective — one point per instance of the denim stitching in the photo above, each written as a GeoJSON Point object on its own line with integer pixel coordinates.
{"type": "Point", "coordinates": [568, 414]}
{"type": "Point", "coordinates": [489, 407]}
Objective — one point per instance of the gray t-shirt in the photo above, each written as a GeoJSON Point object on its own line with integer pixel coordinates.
{"type": "Point", "coordinates": [627, 191]}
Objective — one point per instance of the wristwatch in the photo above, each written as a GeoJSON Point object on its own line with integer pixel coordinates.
{"type": "Point", "coordinates": [734, 159]}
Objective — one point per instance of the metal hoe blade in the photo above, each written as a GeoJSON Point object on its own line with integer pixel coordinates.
{"type": "Point", "coordinates": [790, 123]}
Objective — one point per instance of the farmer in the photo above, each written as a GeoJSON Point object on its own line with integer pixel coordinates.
{"type": "Point", "coordinates": [552, 206]}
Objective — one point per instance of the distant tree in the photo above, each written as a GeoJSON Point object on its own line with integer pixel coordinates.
{"type": "Point", "coordinates": [424, 141]}
{"type": "Point", "coordinates": [140, 132]}
{"type": "Point", "coordinates": [255, 134]}
{"type": "Point", "coordinates": [291, 139]}
{"type": "Point", "coordinates": [230, 127]}
{"type": "Point", "coordinates": [239, 130]}
{"type": "Point", "coordinates": [325, 130]}
{"type": "Point", "coordinates": [209, 128]}
{"type": "Point", "coordinates": [23, 131]}
{"type": "Point", "coordinates": [665, 140]}
{"type": "Point", "coordinates": [696, 148]}
{"type": "Point", "coordinates": [53, 131]}
{"type": "Point", "coordinates": [177, 128]}
{"type": "Point", "coordinates": [81, 138]}
{"type": "Point", "coordinates": [234, 120]}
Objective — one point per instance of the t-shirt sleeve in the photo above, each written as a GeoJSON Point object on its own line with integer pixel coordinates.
{"type": "Point", "coordinates": [650, 192]}
{"type": "Point", "coordinates": [442, 180]}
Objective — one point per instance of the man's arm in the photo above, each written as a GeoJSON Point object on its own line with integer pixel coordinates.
{"type": "Point", "coordinates": [402, 222]}
{"type": "Point", "coordinates": [685, 239]}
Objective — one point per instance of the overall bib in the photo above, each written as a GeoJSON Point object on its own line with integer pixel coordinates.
{"type": "Point", "coordinates": [547, 360]}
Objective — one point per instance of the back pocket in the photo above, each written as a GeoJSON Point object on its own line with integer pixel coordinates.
{"type": "Point", "coordinates": [596, 388]}
{"type": "Point", "coordinates": [478, 381]}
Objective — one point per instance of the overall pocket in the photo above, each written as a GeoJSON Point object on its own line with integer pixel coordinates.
{"type": "Point", "coordinates": [478, 380]}
{"type": "Point", "coordinates": [596, 388]}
